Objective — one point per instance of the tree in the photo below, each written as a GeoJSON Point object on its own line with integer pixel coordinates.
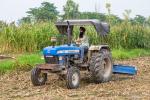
{"type": "Point", "coordinates": [148, 21]}
{"type": "Point", "coordinates": [139, 19]}
{"type": "Point", "coordinates": [92, 15]}
{"type": "Point", "coordinates": [113, 19]}
{"type": "Point", "coordinates": [47, 11]}
{"type": "Point", "coordinates": [2, 23]}
{"type": "Point", "coordinates": [25, 20]}
{"type": "Point", "coordinates": [71, 10]}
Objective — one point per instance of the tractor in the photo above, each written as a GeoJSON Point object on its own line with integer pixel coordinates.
{"type": "Point", "coordinates": [65, 60]}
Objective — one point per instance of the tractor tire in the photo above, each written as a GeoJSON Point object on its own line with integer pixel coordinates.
{"type": "Point", "coordinates": [73, 78]}
{"type": "Point", "coordinates": [37, 77]}
{"type": "Point", "coordinates": [101, 66]}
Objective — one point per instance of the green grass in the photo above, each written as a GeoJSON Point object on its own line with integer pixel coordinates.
{"type": "Point", "coordinates": [27, 61]}
{"type": "Point", "coordinates": [130, 53]}
{"type": "Point", "coordinates": [22, 62]}
{"type": "Point", "coordinates": [31, 59]}
{"type": "Point", "coordinates": [6, 65]}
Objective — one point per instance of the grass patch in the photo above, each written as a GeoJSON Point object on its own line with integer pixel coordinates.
{"type": "Point", "coordinates": [22, 62]}
{"type": "Point", "coordinates": [131, 53]}
{"type": "Point", "coordinates": [27, 61]}
{"type": "Point", "coordinates": [6, 65]}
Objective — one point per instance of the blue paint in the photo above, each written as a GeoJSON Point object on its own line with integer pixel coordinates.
{"type": "Point", "coordinates": [53, 51]}
{"type": "Point", "coordinates": [123, 69]}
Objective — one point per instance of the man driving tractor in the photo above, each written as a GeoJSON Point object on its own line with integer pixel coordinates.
{"type": "Point", "coordinates": [83, 41]}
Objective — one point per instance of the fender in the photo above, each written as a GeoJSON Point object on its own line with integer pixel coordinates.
{"type": "Point", "coordinates": [98, 47]}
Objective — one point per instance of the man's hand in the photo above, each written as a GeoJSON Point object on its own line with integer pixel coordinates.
{"type": "Point", "coordinates": [78, 41]}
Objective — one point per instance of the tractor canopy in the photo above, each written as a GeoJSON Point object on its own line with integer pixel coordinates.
{"type": "Point", "coordinates": [102, 28]}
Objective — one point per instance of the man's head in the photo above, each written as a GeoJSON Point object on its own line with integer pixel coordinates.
{"type": "Point", "coordinates": [82, 31]}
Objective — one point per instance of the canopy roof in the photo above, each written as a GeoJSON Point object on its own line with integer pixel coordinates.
{"type": "Point", "coordinates": [101, 27]}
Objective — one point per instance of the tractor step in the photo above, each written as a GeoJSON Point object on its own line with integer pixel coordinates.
{"type": "Point", "coordinates": [124, 69]}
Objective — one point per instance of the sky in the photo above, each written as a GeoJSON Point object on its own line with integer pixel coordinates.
{"type": "Point", "coordinates": [12, 10]}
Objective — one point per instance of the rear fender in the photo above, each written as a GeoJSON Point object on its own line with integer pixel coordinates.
{"type": "Point", "coordinates": [96, 48]}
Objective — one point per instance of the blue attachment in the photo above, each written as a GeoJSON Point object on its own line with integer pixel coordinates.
{"type": "Point", "coordinates": [62, 50]}
{"type": "Point", "coordinates": [122, 69]}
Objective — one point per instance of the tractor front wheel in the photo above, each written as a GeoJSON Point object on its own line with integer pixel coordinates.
{"type": "Point", "coordinates": [37, 77]}
{"type": "Point", "coordinates": [73, 78]}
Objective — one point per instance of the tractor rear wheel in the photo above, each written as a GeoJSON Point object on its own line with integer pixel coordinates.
{"type": "Point", "coordinates": [37, 77]}
{"type": "Point", "coordinates": [73, 78]}
{"type": "Point", "coordinates": [101, 66]}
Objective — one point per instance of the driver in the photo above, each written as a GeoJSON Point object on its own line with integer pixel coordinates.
{"type": "Point", "coordinates": [83, 40]}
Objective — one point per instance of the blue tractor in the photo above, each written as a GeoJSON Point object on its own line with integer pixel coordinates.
{"type": "Point", "coordinates": [69, 59]}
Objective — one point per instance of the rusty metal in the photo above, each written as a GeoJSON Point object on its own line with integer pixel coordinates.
{"type": "Point", "coordinates": [50, 67]}
{"type": "Point", "coordinates": [47, 66]}
{"type": "Point", "coordinates": [6, 57]}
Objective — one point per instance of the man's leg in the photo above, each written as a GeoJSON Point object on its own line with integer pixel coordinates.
{"type": "Point", "coordinates": [82, 53]}
{"type": "Point", "coordinates": [85, 50]}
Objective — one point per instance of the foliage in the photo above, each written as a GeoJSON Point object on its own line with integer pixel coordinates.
{"type": "Point", "coordinates": [26, 37]}
{"type": "Point", "coordinates": [22, 62]}
{"type": "Point", "coordinates": [127, 35]}
{"type": "Point", "coordinates": [34, 37]}
{"type": "Point", "coordinates": [71, 10]}
{"type": "Point", "coordinates": [25, 20]}
{"type": "Point", "coordinates": [140, 19]}
{"type": "Point", "coordinates": [113, 19]}
{"type": "Point", "coordinates": [148, 21]}
{"type": "Point", "coordinates": [6, 65]}
{"type": "Point", "coordinates": [46, 12]}
{"type": "Point", "coordinates": [92, 15]}
{"type": "Point", "coordinates": [129, 53]}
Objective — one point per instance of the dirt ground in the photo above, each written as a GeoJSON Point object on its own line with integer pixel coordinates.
{"type": "Point", "coordinates": [17, 85]}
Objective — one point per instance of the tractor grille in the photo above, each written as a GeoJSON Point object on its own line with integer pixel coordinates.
{"type": "Point", "coordinates": [51, 59]}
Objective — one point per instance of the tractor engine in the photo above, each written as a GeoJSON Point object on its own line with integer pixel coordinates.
{"type": "Point", "coordinates": [51, 59]}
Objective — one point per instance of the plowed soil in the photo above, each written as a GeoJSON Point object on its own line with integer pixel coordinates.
{"type": "Point", "coordinates": [17, 85]}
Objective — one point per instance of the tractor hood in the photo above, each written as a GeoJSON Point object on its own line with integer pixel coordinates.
{"type": "Point", "coordinates": [61, 50]}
